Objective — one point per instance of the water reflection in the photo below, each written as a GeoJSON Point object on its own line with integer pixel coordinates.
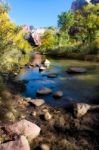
{"type": "Point", "coordinates": [74, 87]}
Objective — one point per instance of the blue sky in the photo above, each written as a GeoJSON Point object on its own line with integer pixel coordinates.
{"type": "Point", "coordinates": [39, 13]}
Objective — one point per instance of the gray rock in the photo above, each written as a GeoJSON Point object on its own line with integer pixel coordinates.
{"type": "Point", "coordinates": [80, 109]}
{"type": "Point", "coordinates": [76, 70]}
{"type": "Point", "coordinates": [36, 102]}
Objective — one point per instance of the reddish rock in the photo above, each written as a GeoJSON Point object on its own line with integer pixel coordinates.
{"type": "Point", "coordinates": [24, 127]}
{"type": "Point", "coordinates": [19, 144]}
{"type": "Point", "coordinates": [44, 91]}
{"type": "Point", "coordinates": [58, 94]}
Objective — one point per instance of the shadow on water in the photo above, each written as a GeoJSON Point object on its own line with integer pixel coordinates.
{"type": "Point", "coordinates": [75, 87]}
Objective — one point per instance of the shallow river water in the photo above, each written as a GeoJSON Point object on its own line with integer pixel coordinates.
{"type": "Point", "coordinates": [75, 87]}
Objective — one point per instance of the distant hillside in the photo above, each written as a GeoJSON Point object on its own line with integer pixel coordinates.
{"type": "Point", "coordinates": [77, 4]}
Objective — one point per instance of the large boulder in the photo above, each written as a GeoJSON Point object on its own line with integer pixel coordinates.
{"type": "Point", "coordinates": [80, 109]}
{"type": "Point", "coordinates": [24, 127]}
{"type": "Point", "coordinates": [19, 144]}
{"type": "Point", "coordinates": [76, 70]}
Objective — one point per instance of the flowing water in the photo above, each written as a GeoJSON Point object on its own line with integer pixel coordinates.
{"type": "Point", "coordinates": [75, 87]}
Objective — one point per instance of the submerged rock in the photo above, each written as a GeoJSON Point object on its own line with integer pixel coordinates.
{"type": "Point", "coordinates": [76, 70]}
{"type": "Point", "coordinates": [19, 144]}
{"type": "Point", "coordinates": [44, 91]}
{"type": "Point", "coordinates": [24, 127]}
{"type": "Point", "coordinates": [52, 75]}
{"type": "Point", "coordinates": [58, 94]}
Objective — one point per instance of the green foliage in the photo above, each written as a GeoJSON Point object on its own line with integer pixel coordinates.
{"type": "Point", "coordinates": [87, 21]}
{"type": "Point", "coordinates": [11, 41]}
{"type": "Point", "coordinates": [65, 20]}
{"type": "Point", "coordinates": [48, 39]}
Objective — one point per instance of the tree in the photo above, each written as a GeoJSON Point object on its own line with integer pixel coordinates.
{"type": "Point", "coordinates": [48, 40]}
{"type": "Point", "coordinates": [87, 21]}
{"type": "Point", "coordinates": [11, 40]}
{"type": "Point", "coordinates": [66, 20]}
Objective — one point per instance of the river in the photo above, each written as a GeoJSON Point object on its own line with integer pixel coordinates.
{"type": "Point", "coordinates": [80, 88]}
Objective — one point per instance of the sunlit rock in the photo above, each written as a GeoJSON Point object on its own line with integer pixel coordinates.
{"type": "Point", "coordinates": [44, 147]}
{"type": "Point", "coordinates": [24, 127]}
{"type": "Point", "coordinates": [80, 109]}
{"type": "Point", "coordinates": [47, 63]}
{"type": "Point", "coordinates": [47, 116]}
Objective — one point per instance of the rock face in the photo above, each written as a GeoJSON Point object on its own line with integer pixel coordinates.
{"type": "Point", "coordinates": [58, 94]}
{"type": "Point", "coordinates": [24, 127]}
{"type": "Point", "coordinates": [81, 109]}
{"type": "Point", "coordinates": [76, 70]}
{"type": "Point", "coordinates": [19, 144]}
{"type": "Point", "coordinates": [44, 91]}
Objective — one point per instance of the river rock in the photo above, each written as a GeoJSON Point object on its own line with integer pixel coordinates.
{"type": "Point", "coordinates": [28, 129]}
{"type": "Point", "coordinates": [35, 102]}
{"type": "Point", "coordinates": [44, 91]}
{"type": "Point", "coordinates": [80, 109]}
{"type": "Point", "coordinates": [44, 147]}
{"type": "Point", "coordinates": [9, 116]}
{"type": "Point", "coordinates": [58, 94]}
{"type": "Point", "coordinates": [36, 59]}
{"type": "Point", "coordinates": [19, 144]}
{"type": "Point", "coordinates": [76, 70]}
{"type": "Point", "coordinates": [47, 63]}
{"type": "Point", "coordinates": [42, 68]}
{"type": "Point", "coordinates": [47, 116]}
{"type": "Point", "coordinates": [38, 102]}
{"type": "Point", "coordinates": [52, 75]}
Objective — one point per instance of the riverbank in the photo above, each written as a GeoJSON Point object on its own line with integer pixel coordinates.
{"type": "Point", "coordinates": [60, 129]}
{"type": "Point", "coordinates": [76, 56]}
